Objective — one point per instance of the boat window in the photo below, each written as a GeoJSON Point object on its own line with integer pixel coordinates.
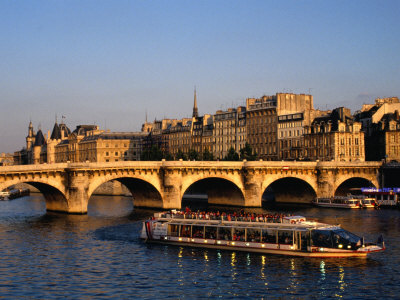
{"type": "Point", "coordinates": [304, 240]}
{"type": "Point", "coordinates": [321, 238]}
{"type": "Point", "coordinates": [173, 230]}
{"type": "Point", "coordinates": [269, 236]}
{"type": "Point", "coordinates": [253, 235]}
{"type": "Point", "coordinates": [198, 232]}
{"type": "Point", "coordinates": [225, 233]}
{"type": "Point", "coordinates": [285, 237]}
{"type": "Point", "coordinates": [345, 238]}
{"type": "Point", "coordinates": [211, 232]}
{"type": "Point", "coordinates": [239, 234]}
{"type": "Point", "coordinates": [185, 230]}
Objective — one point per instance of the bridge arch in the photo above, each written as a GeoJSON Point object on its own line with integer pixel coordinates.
{"type": "Point", "coordinates": [220, 191]}
{"type": "Point", "coordinates": [353, 185]}
{"type": "Point", "coordinates": [52, 190]}
{"type": "Point", "coordinates": [145, 191]}
{"type": "Point", "coordinates": [302, 190]}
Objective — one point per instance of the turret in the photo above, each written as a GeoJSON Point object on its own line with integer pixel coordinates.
{"type": "Point", "coordinates": [30, 139]}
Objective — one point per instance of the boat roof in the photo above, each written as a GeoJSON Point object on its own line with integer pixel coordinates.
{"type": "Point", "coordinates": [300, 226]}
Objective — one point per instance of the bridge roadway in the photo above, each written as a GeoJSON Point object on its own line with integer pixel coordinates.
{"type": "Point", "coordinates": [67, 187]}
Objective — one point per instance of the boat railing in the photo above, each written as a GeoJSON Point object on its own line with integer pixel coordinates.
{"type": "Point", "coordinates": [264, 218]}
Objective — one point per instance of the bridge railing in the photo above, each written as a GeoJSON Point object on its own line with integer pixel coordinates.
{"type": "Point", "coordinates": [190, 164]}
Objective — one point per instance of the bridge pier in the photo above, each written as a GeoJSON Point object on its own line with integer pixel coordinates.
{"type": "Point", "coordinates": [325, 181]}
{"type": "Point", "coordinates": [77, 193]}
{"type": "Point", "coordinates": [252, 194]}
{"type": "Point", "coordinates": [172, 190]}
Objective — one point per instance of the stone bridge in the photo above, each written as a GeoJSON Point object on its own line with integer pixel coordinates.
{"type": "Point", "coordinates": [67, 187]}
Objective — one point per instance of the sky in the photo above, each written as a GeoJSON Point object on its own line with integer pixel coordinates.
{"type": "Point", "coordinates": [110, 62]}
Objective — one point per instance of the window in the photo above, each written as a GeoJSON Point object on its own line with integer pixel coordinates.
{"type": "Point", "coordinates": [116, 153]}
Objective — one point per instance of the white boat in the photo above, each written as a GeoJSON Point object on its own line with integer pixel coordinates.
{"type": "Point", "coordinates": [349, 201]}
{"type": "Point", "coordinates": [4, 195]}
{"type": "Point", "coordinates": [294, 236]}
{"type": "Point", "coordinates": [385, 197]}
{"type": "Point", "coordinates": [368, 202]}
{"type": "Point", "coordinates": [13, 193]}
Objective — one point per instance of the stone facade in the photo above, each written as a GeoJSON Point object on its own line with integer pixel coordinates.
{"type": "Point", "coordinates": [6, 159]}
{"type": "Point", "coordinates": [384, 141]}
{"type": "Point", "coordinates": [275, 124]}
{"type": "Point", "coordinates": [381, 127]}
{"type": "Point", "coordinates": [229, 131]}
{"type": "Point", "coordinates": [85, 143]}
{"type": "Point", "coordinates": [334, 137]}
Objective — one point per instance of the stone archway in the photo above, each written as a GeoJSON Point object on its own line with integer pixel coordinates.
{"type": "Point", "coordinates": [289, 190]}
{"type": "Point", "coordinates": [219, 191]}
{"type": "Point", "coordinates": [353, 186]}
{"type": "Point", "coordinates": [144, 194]}
{"type": "Point", "coordinates": [54, 197]}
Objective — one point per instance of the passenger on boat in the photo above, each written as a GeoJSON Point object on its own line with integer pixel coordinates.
{"type": "Point", "coordinates": [246, 217]}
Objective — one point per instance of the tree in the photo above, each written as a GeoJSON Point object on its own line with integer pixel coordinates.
{"type": "Point", "coordinates": [207, 155]}
{"type": "Point", "coordinates": [247, 153]}
{"type": "Point", "coordinates": [193, 154]}
{"type": "Point", "coordinates": [181, 155]}
{"type": "Point", "coordinates": [154, 153]}
{"type": "Point", "coordinates": [231, 155]}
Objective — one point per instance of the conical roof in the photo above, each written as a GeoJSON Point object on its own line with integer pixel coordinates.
{"type": "Point", "coordinates": [56, 133]}
{"type": "Point", "coordinates": [58, 130]}
{"type": "Point", "coordinates": [39, 140]}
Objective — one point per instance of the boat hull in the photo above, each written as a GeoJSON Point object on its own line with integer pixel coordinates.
{"type": "Point", "coordinates": [264, 250]}
{"type": "Point", "coordinates": [332, 205]}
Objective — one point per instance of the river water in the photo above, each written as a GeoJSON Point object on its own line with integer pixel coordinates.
{"type": "Point", "coordinates": [99, 256]}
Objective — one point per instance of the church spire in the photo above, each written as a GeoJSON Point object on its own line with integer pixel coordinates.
{"type": "Point", "coordinates": [195, 110]}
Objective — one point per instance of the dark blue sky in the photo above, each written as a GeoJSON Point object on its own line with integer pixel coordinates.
{"type": "Point", "coordinates": [107, 62]}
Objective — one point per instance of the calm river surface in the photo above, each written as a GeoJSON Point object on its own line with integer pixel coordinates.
{"type": "Point", "coordinates": [99, 256]}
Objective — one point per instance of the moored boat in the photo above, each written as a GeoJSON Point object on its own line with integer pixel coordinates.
{"type": "Point", "coordinates": [368, 202]}
{"type": "Point", "coordinates": [385, 197]}
{"type": "Point", "coordinates": [13, 194]}
{"type": "Point", "coordinates": [349, 201]}
{"type": "Point", "coordinates": [293, 236]}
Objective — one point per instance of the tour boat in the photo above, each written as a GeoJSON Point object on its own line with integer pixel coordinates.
{"type": "Point", "coordinates": [293, 236]}
{"type": "Point", "coordinates": [368, 202]}
{"type": "Point", "coordinates": [13, 193]}
{"type": "Point", "coordinates": [385, 197]}
{"type": "Point", "coordinates": [349, 201]}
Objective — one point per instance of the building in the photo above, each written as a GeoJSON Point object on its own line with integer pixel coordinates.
{"type": "Point", "coordinates": [384, 140]}
{"type": "Point", "coordinates": [111, 146]}
{"type": "Point", "coordinates": [334, 137]}
{"type": "Point", "coordinates": [229, 131]}
{"type": "Point", "coordinates": [85, 143]}
{"type": "Point", "coordinates": [275, 124]}
{"type": "Point", "coordinates": [179, 137]}
{"type": "Point", "coordinates": [261, 126]}
{"type": "Point", "coordinates": [379, 125]}
{"type": "Point", "coordinates": [6, 159]}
